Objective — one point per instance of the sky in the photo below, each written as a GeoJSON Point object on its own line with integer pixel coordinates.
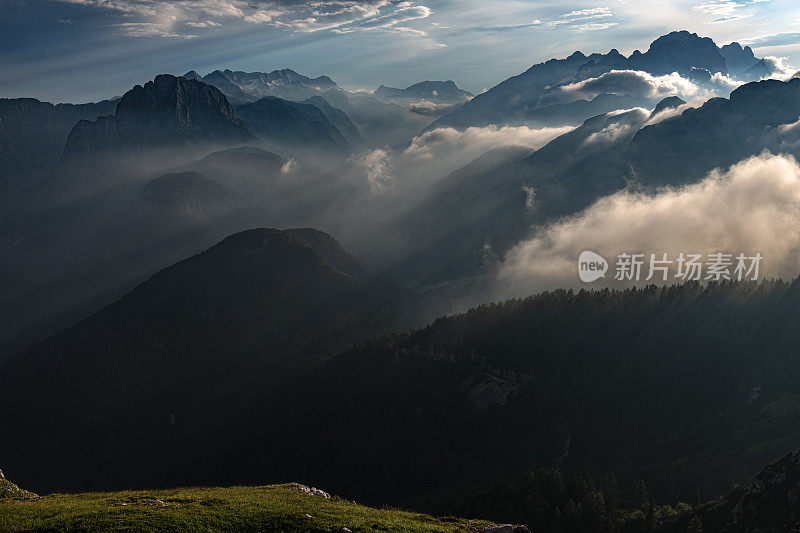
{"type": "Point", "coordinates": [87, 50]}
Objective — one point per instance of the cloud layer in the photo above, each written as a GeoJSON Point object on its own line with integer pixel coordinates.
{"type": "Point", "coordinates": [633, 83]}
{"type": "Point", "coordinates": [434, 154]}
{"type": "Point", "coordinates": [181, 18]}
{"type": "Point", "coordinates": [752, 208]}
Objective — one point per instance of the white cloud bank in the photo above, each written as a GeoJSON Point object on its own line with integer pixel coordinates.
{"type": "Point", "coordinates": [752, 208]}
{"type": "Point", "coordinates": [781, 69]}
{"type": "Point", "coordinates": [434, 154]}
{"type": "Point", "coordinates": [451, 146]}
{"type": "Point", "coordinates": [633, 83]}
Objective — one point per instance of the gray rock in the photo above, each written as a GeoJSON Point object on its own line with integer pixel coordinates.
{"type": "Point", "coordinates": [507, 528]}
{"type": "Point", "coordinates": [313, 491]}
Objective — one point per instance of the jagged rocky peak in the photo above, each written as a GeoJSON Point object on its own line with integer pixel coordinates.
{"type": "Point", "coordinates": [192, 75]}
{"type": "Point", "coordinates": [241, 87]}
{"type": "Point", "coordinates": [680, 51]}
{"type": "Point", "coordinates": [737, 58]}
{"type": "Point", "coordinates": [175, 109]}
{"type": "Point", "coordinates": [577, 56]}
{"type": "Point", "coordinates": [170, 116]}
{"type": "Point", "coordinates": [441, 90]}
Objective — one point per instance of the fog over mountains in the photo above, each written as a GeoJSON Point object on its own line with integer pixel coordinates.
{"type": "Point", "coordinates": [245, 277]}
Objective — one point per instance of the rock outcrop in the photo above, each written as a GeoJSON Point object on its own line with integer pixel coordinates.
{"type": "Point", "coordinates": [10, 490]}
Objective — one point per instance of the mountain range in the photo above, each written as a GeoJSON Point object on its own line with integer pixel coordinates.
{"type": "Point", "coordinates": [682, 52]}
{"type": "Point", "coordinates": [436, 91]}
{"type": "Point", "coordinates": [301, 126]}
{"type": "Point", "coordinates": [450, 227]}
{"type": "Point", "coordinates": [241, 87]}
{"type": "Point", "coordinates": [161, 326]}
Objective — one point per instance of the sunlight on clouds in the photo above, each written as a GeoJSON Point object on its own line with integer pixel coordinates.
{"type": "Point", "coordinates": [693, 219]}
{"type": "Point", "coordinates": [158, 18]}
{"type": "Point", "coordinates": [633, 83]}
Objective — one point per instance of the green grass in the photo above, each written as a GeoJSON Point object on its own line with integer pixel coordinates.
{"type": "Point", "coordinates": [269, 508]}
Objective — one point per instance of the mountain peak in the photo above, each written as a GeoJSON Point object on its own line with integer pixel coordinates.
{"type": "Point", "coordinates": [428, 89]}
{"type": "Point", "coordinates": [737, 58]}
{"type": "Point", "coordinates": [168, 113]}
{"type": "Point", "coordinates": [175, 110]}
{"type": "Point", "coordinates": [243, 87]}
{"type": "Point", "coordinates": [681, 51]}
{"type": "Point", "coordinates": [669, 102]}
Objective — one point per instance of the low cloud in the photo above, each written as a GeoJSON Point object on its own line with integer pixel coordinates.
{"type": "Point", "coordinates": [633, 83]}
{"type": "Point", "coordinates": [434, 154]}
{"type": "Point", "coordinates": [426, 107]}
{"type": "Point", "coordinates": [377, 168]}
{"type": "Point", "coordinates": [609, 134]}
{"type": "Point", "coordinates": [780, 68]}
{"type": "Point", "coordinates": [752, 208]}
{"type": "Point", "coordinates": [670, 112]}
{"type": "Point", "coordinates": [724, 83]}
{"type": "Point", "coordinates": [452, 148]}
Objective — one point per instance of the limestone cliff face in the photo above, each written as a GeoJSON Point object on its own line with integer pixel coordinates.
{"type": "Point", "coordinates": [169, 117]}
{"type": "Point", "coordinates": [173, 109]}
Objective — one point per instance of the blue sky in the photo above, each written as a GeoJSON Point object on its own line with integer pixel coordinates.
{"type": "Point", "coordinates": [86, 50]}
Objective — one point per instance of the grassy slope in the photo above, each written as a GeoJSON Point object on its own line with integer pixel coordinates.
{"type": "Point", "coordinates": [270, 508]}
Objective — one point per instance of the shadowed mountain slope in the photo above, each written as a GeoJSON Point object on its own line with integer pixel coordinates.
{"type": "Point", "coordinates": [211, 335]}
{"type": "Point", "coordinates": [33, 134]}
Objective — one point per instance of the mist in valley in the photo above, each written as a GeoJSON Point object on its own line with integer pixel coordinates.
{"type": "Point", "coordinates": [244, 246]}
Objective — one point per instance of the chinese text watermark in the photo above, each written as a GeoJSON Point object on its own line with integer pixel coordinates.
{"type": "Point", "coordinates": [662, 267]}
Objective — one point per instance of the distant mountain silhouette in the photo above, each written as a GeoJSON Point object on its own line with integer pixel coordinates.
{"type": "Point", "coordinates": [241, 87]}
{"type": "Point", "coordinates": [289, 192]}
{"type": "Point", "coordinates": [738, 60]}
{"type": "Point", "coordinates": [679, 51]}
{"type": "Point", "coordinates": [168, 117]}
{"type": "Point", "coordinates": [758, 71]}
{"type": "Point", "coordinates": [339, 118]}
{"type": "Point", "coordinates": [33, 134]}
{"type": "Point", "coordinates": [186, 193]}
{"type": "Point", "coordinates": [303, 127]}
{"type": "Point", "coordinates": [126, 232]}
{"type": "Point", "coordinates": [381, 123]}
{"type": "Point", "coordinates": [515, 98]}
{"type": "Point", "coordinates": [443, 91]}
